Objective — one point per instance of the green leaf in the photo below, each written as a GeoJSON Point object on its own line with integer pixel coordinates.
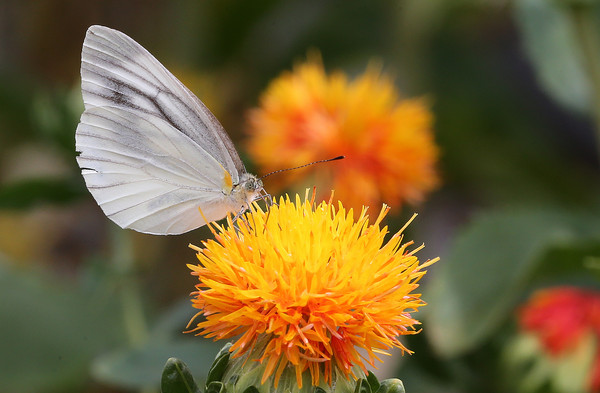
{"type": "Point", "coordinates": [27, 193]}
{"type": "Point", "coordinates": [176, 378]}
{"type": "Point", "coordinates": [215, 387]}
{"type": "Point", "coordinates": [220, 364]}
{"type": "Point", "coordinates": [474, 288]}
{"type": "Point", "coordinates": [373, 382]}
{"type": "Point", "coordinates": [552, 46]}
{"type": "Point", "coordinates": [392, 385]}
{"type": "Point", "coordinates": [362, 386]}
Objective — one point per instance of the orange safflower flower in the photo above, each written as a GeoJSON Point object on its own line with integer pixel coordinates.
{"type": "Point", "coordinates": [303, 286]}
{"type": "Point", "coordinates": [307, 115]}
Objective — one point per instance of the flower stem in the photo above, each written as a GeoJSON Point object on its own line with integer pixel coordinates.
{"type": "Point", "coordinates": [582, 16]}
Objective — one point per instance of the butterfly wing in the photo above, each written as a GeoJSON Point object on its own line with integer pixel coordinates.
{"type": "Point", "coordinates": [139, 171]}
{"type": "Point", "coordinates": [151, 152]}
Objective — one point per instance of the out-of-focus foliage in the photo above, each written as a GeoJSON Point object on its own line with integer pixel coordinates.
{"type": "Point", "coordinates": [514, 88]}
{"type": "Point", "coordinates": [462, 317]}
{"type": "Point", "coordinates": [551, 44]}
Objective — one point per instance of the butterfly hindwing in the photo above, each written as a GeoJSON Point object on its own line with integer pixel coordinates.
{"type": "Point", "coordinates": [139, 171]}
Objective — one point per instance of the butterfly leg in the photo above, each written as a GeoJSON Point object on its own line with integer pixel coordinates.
{"type": "Point", "coordinates": [264, 196]}
{"type": "Point", "coordinates": [240, 216]}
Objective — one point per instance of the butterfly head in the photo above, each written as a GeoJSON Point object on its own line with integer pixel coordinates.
{"type": "Point", "coordinates": [249, 189]}
{"type": "Point", "coordinates": [251, 184]}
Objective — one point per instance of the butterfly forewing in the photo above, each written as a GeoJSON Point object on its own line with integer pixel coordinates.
{"type": "Point", "coordinates": [117, 70]}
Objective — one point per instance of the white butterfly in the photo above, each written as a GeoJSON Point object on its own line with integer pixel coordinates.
{"type": "Point", "coordinates": [151, 153]}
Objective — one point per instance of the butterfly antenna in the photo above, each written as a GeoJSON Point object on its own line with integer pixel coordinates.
{"type": "Point", "coordinates": [302, 166]}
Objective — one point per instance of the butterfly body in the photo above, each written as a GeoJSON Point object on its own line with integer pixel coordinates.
{"type": "Point", "coordinates": [152, 155]}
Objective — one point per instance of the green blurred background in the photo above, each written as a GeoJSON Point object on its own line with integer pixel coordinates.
{"type": "Point", "coordinates": [514, 87]}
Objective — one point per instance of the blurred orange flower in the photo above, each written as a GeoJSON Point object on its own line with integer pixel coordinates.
{"type": "Point", "coordinates": [307, 115]}
{"type": "Point", "coordinates": [562, 318]}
